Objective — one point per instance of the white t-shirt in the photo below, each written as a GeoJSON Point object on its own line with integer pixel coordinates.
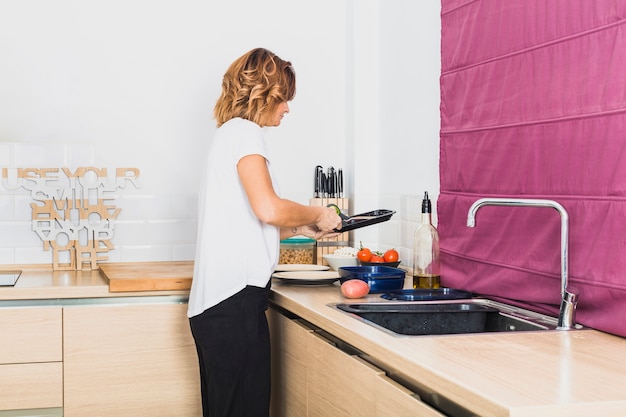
{"type": "Point", "coordinates": [234, 248]}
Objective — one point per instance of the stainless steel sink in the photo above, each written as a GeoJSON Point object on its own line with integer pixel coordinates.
{"type": "Point", "coordinates": [475, 315]}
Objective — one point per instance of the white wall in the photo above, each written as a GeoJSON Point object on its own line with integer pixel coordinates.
{"type": "Point", "coordinates": [404, 145]}
{"type": "Point", "coordinates": [133, 83]}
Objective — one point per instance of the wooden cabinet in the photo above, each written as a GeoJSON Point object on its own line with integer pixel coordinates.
{"type": "Point", "coordinates": [31, 371]}
{"type": "Point", "coordinates": [289, 365]}
{"type": "Point", "coordinates": [315, 375]}
{"type": "Point", "coordinates": [130, 361]}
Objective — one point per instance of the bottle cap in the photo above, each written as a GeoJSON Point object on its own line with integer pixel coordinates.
{"type": "Point", "coordinates": [426, 206]}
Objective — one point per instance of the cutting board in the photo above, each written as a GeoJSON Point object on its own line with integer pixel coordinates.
{"type": "Point", "coordinates": [147, 276]}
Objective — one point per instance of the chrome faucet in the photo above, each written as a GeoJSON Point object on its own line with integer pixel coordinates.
{"type": "Point", "coordinates": [569, 299]}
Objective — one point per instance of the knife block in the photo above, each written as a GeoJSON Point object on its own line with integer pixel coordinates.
{"type": "Point", "coordinates": [329, 245]}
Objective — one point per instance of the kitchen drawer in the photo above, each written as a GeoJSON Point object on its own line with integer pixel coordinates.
{"type": "Point", "coordinates": [31, 334]}
{"type": "Point", "coordinates": [315, 374]}
{"type": "Point", "coordinates": [31, 385]}
{"type": "Point", "coordinates": [341, 383]}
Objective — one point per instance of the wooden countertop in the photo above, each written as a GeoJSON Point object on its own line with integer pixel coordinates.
{"type": "Point", "coordinates": [523, 374]}
{"type": "Point", "coordinates": [40, 282]}
{"type": "Point", "coordinates": [575, 373]}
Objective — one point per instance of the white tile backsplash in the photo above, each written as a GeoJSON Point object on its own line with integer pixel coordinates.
{"type": "Point", "coordinates": [33, 255]}
{"type": "Point", "coordinates": [7, 256]}
{"type": "Point", "coordinates": [150, 227]}
{"type": "Point", "coordinates": [18, 234]}
{"type": "Point", "coordinates": [131, 232]}
{"type": "Point", "coordinates": [7, 208]}
{"type": "Point", "coordinates": [146, 253]}
{"type": "Point", "coordinates": [171, 231]}
{"type": "Point", "coordinates": [114, 255]}
{"type": "Point", "coordinates": [185, 206]}
{"type": "Point", "coordinates": [183, 252]}
{"type": "Point", "coordinates": [162, 227]}
{"type": "Point", "coordinates": [144, 207]}
{"type": "Point", "coordinates": [22, 205]}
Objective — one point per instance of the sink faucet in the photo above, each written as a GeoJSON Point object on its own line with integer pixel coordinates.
{"type": "Point", "coordinates": [569, 299]}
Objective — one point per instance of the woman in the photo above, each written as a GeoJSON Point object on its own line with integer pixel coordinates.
{"type": "Point", "coordinates": [241, 222]}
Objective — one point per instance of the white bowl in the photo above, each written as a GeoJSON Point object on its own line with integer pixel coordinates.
{"type": "Point", "coordinates": [336, 262]}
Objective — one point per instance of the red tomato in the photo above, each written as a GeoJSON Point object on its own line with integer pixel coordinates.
{"type": "Point", "coordinates": [391, 256]}
{"type": "Point", "coordinates": [354, 288]}
{"type": "Point", "coordinates": [364, 255]}
{"type": "Point", "coordinates": [377, 259]}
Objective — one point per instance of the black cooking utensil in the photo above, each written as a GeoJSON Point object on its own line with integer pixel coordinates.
{"type": "Point", "coordinates": [361, 220]}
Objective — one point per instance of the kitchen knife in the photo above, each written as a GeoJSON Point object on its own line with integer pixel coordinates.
{"type": "Point", "coordinates": [317, 186]}
{"type": "Point", "coordinates": [340, 183]}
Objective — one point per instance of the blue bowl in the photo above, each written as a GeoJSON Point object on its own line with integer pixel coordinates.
{"type": "Point", "coordinates": [379, 278]}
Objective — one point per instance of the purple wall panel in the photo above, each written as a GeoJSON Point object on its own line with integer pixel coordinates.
{"type": "Point", "coordinates": [533, 105]}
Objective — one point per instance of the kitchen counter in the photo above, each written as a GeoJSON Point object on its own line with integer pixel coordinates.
{"type": "Point", "coordinates": [521, 374]}
{"type": "Point", "coordinates": [41, 282]}
{"type": "Point", "coordinates": [70, 336]}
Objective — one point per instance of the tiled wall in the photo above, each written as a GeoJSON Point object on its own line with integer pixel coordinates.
{"type": "Point", "coordinates": [157, 227]}
{"type": "Point", "coordinates": [150, 227]}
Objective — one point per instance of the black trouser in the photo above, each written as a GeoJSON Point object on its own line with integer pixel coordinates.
{"type": "Point", "coordinates": [233, 344]}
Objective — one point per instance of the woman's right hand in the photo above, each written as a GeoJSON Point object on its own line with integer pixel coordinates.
{"type": "Point", "coordinates": [329, 220]}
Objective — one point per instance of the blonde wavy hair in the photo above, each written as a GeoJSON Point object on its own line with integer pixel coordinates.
{"type": "Point", "coordinates": [253, 87]}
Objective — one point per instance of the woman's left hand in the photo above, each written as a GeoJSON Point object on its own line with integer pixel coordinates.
{"type": "Point", "coordinates": [314, 233]}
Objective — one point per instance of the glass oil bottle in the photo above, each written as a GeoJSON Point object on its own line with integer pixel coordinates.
{"type": "Point", "coordinates": [426, 265]}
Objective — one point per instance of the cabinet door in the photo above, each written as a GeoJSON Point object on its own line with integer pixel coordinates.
{"type": "Point", "coordinates": [312, 377]}
{"type": "Point", "coordinates": [339, 384]}
{"type": "Point", "coordinates": [31, 385]}
{"type": "Point", "coordinates": [130, 361]}
{"type": "Point", "coordinates": [343, 384]}
{"type": "Point", "coordinates": [31, 372]}
{"type": "Point", "coordinates": [31, 334]}
{"type": "Point", "coordinates": [289, 366]}
{"type": "Point", "coordinates": [394, 400]}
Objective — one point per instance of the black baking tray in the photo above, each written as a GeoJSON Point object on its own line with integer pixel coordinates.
{"type": "Point", "coordinates": [365, 219]}
{"type": "Point", "coordinates": [427, 294]}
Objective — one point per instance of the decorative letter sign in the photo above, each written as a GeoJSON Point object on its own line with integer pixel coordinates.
{"type": "Point", "coordinates": [72, 212]}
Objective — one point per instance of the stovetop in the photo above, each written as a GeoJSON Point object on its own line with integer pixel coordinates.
{"type": "Point", "coordinates": [9, 278]}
